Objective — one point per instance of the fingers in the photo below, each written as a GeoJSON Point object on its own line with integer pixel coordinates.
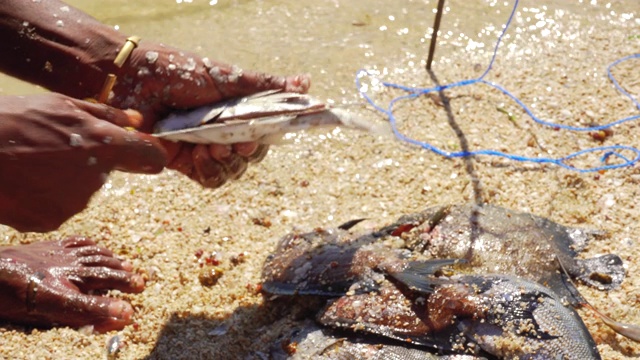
{"type": "Point", "coordinates": [105, 278]}
{"type": "Point", "coordinates": [208, 172]}
{"type": "Point", "coordinates": [130, 151]}
{"type": "Point", "coordinates": [90, 251]}
{"type": "Point", "coordinates": [127, 118]}
{"type": "Point", "coordinates": [212, 165]}
{"type": "Point", "coordinates": [219, 151]}
{"type": "Point", "coordinates": [259, 154]}
{"type": "Point", "coordinates": [101, 261]}
{"type": "Point", "coordinates": [232, 81]}
{"type": "Point", "coordinates": [76, 241]}
{"type": "Point", "coordinates": [104, 313]}
{"type": "Point", "coordinates": [60, 302]}
{"type": "Point", "coordinates": [136, 152]}
{"type": "Point", "coordinates": [298, 83]}
{"type": "Point", "coordinates": [245, 149]}
{"type": "Point", "coordinates": [253, 151]}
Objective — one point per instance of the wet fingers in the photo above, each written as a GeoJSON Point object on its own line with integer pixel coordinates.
{"type": "Point", "coordinates": [231, 81]}
{"type": "Point", "coordinates": [90, 250]}
{"type": "Point", "coordinates": [208, 172]}
{"type": "Point", "coordinates": [103, 261]}
{"type": "Point", "coordinates": [260, 153]}
{"type": "Point", "coordinates": [105, 278]}
{"type": "Point", "coordinates": [246, 149]}
{"type": "Point", "coordinates": [76, 241]}
{"type": "Point", "coordinates": [61, 303]}
{"type": "Point", "coordinates": [252, 151]}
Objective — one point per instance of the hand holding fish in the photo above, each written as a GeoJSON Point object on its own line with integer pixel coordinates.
{"type": "Point", "coordinates": [158, 80]}
{"type": "Point", "coordinates": [57, 151]}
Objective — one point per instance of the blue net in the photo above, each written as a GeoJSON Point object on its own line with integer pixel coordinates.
{"type": "Point", "coordinates": [620, 152]}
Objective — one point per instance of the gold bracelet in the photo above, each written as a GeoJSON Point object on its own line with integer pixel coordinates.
{"type": "Point", "coordinates": [121, 58]}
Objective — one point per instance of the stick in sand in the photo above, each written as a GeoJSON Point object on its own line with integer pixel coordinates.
{"type": "Point", "coordinates": [436, 27]}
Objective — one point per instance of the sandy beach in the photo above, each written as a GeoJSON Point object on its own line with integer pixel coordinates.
{"type": "Point", "coordinates": [554, 58]}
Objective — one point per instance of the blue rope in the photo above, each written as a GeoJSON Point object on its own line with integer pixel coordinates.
{"type": "Point", "coordinates": [609, 151]}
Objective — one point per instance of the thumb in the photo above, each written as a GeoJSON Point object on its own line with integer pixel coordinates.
{"type": "Point", "coordinates": [133, 118]}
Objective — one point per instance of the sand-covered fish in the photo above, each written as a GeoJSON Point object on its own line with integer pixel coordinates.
{"type": "Point", "coordinates": [376, 285]}
{"type": "Point", "coordinates": [310, 341]}
{"type": "Point", "coordinates": [504, 316]}
{"type": "Point", "coordinates": [497, 240]}
{"type": "Point", "coordinates": [263, 117]}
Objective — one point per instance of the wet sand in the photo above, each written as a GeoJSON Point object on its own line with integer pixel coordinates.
{"type": "Point", "coordinates": [554, 59]}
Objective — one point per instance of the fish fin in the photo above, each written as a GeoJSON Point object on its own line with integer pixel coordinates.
{"type": "Point", "coordinates": [604, 272]}
{"type": "Point", "coordinates": [351, 223]}
{"type": "Point", "coordinates": [350, 120]}
{"type": "Point", "coordinates": [418, 275]}
{"type": "Point", "coordinates": [562, 285]}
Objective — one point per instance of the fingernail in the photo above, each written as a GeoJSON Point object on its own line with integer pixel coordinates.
{"type": "Point", "coordinates": [137, 282]}
{"type": "Point", "coordinates": [120, 310]}
{"type": "Point", "coordinates": [127, 266]}
{"type": "Point", "coordinates": [299, 83]}
{"type": "Point", "coordinates": [246, 149]}
{"type": "Point", "coordinates": [236, 166]}
{"type": "Point", "coordinates": [219, 152]}
{"type": "Point", "coordinates": [214, 182]}
{"type": "Point", "coordinates": [135, 118]}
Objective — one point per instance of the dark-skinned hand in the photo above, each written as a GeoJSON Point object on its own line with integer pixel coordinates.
{"type": "Point", "coordinates": [56, 151]}
{"type": "Point", "coordinates": [158, 79]}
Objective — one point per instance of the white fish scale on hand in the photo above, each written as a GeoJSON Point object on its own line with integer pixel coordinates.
{"type": "Point", "coordinates": [264, 117]}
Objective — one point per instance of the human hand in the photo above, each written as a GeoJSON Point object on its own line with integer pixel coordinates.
{"type": "Point", "coordinates": [158, 79]}
{"type": "Point", "coordinates": [56, 151]}
{"type": "Point", "coordinates": [47, 284]}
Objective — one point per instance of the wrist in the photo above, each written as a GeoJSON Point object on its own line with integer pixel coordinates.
{"type": "Point", "coordinates": [116, 66]}
{"type": "Point", "coordinates": [65, 51]}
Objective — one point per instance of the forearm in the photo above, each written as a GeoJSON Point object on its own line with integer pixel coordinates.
{"type": "Point", "coordinates": [57, 46]}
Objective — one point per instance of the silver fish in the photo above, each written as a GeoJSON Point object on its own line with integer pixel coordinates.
{"type": "Point", "coordinates": [263, 117]}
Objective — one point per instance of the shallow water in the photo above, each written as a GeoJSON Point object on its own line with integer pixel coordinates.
{"type": "Point", "coordinates": [333, 39]}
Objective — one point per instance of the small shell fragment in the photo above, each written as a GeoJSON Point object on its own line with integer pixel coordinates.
{"type": "Point", "coordinates": [114, 344]}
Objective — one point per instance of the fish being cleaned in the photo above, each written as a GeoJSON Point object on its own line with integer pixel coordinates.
{"type": "Point", "coordinates": [263, 117]}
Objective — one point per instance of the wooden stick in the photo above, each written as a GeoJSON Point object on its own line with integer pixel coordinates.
{"type": "Point", "coordinates": [436, 27]}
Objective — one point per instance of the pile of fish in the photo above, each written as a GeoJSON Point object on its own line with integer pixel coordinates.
{"type": "Point", "coordinates": [451, 282]}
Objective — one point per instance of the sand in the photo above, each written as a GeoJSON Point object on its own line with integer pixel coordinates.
{"type": "Point", "coordinates": [554, 59]}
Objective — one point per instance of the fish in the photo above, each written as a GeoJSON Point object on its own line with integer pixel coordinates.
{"type": "Point", "coordinates": [263, 117]}
{"type": "Point", "coordinates": [310, 341]}
{"type": "Point", "coordinates": [508, 317]}
{"type": "Point", "coordinates": [380, 283]}
{"type": "Point", "coordinates": [494, 239]}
